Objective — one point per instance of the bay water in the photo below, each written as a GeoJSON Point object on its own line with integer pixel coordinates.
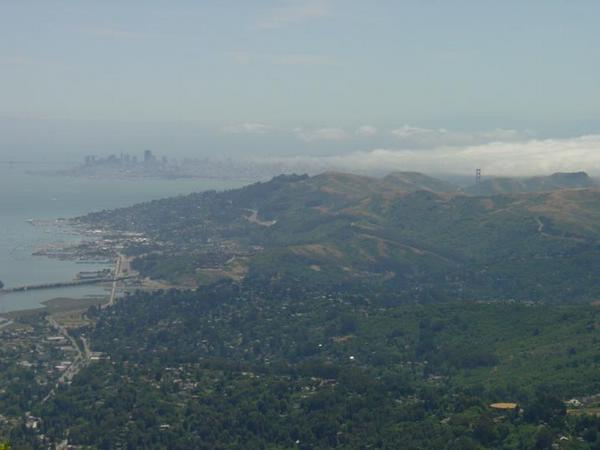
{"type": "Point", "coordinates": [29, 207]}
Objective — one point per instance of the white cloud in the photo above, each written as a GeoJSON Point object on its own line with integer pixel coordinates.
{"type": "Point", "coordinates": [247, 128]}
{"type": "Point", "coordinates": [416, 137]}
{"type": "Point", "coordinates": [366, 131]}
{"type": "Point", "coordinates": [408, 131]}
{"type": "Point", "coordinates": [517, 158]}
{"type": "Point", "coordinates": [321, 134]}
{"type": "Point", "coordinates": [295, 11]}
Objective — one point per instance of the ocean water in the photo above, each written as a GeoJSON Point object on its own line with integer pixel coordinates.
{"type": "Point", "coordinates": [24, 196]}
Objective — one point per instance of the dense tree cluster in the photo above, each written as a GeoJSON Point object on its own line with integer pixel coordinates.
{"type": "Point", "coordinates": [250, 366]}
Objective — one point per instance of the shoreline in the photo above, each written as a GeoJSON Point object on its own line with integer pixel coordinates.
{"type": "Point", "coordinates": [57, 247]}
{"type": "Point", "coordinates": [57, 304]}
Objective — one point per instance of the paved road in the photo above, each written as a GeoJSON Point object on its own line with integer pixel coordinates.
{"type": "Point", "coordinates": [253, 218]}
{"type": "Point", "coordinates": [80, 361]}
{"type": "Point", "coordinates": [87, 353]}
{"type": "Point", "coordinates": [117, 274]}
{"type": "Point", "coordinates": [82, 356]}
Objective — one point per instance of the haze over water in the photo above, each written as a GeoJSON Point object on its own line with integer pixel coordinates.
{"type": "Point", "coordinates": [24, 196]}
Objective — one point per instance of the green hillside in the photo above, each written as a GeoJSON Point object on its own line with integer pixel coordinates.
{"type": "Point", "coordinates": [258, 367]}
{"type": "Point", "coordinates": [399, 232]}
{"type": "Point", "coordinates": [413, 181]}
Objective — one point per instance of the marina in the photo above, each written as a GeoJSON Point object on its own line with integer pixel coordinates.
{"type": "Point", "coordinates": [36, 241]}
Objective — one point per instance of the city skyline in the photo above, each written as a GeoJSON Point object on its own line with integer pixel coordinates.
{"type": "Point", "coordinates": [304, 78]}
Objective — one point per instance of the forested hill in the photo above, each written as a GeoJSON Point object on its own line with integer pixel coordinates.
{"type": "Point", "coordinates": [255, 368]}
{"type": "Point", "coordinates": [406, 232]}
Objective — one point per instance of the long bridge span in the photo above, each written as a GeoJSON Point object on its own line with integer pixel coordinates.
{"type": "Point", "coordinates": [32, 287]}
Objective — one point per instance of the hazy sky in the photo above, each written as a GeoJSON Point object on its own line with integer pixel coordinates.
{"type": "Point", "coordinates": [288, 77]}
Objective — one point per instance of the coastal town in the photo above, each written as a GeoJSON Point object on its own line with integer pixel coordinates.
{"type": "Point", "coordinates": [42, 349]}
{"type": "Point", "coordinates": [39, 353]}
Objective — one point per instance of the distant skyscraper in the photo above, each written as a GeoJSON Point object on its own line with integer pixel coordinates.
{"type": "Point", "coordinates": [148, 156]}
